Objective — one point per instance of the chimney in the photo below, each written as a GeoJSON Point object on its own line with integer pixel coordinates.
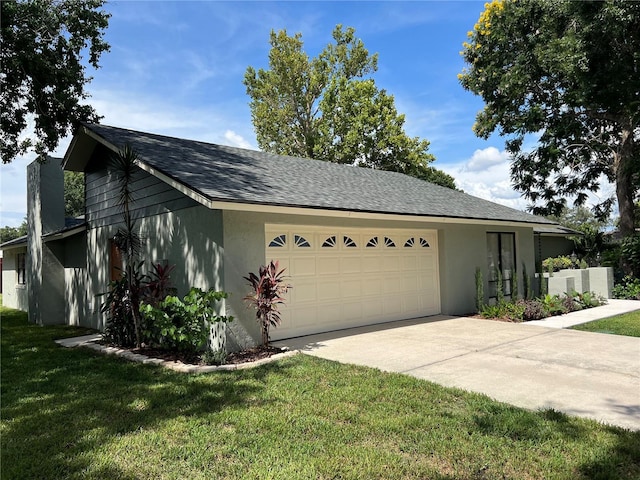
{"type": "Point", "coordinates": [45, 214]}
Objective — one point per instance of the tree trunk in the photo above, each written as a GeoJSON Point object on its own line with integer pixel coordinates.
{"type": "Point", "coordinates": [624, 183]}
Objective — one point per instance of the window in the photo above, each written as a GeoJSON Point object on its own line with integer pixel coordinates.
{"type": "Point", "coordinates": [21, 268]}
{"type": "Point", "coordinates": [115, 262]}
{"type": "Point", "coordinates": [501, 258]}
{"type": "Point", "coordinates": [279, 241]}
{"type": "Point", "coordinates": [373, 242]}
{"type": "Point", "coordinates": [300, 241]}
{"type": "Point", "coordinates": [348, 242]}
{"type": "Point", "coordinates": [330, 242]}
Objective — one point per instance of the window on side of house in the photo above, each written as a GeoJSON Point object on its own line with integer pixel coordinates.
{"type": "Point", "coordinates": [501, 258]}
{"type": "Point", "coordinates": [21, 268]}
{"type": "Point", "coordinates": [115, 262]}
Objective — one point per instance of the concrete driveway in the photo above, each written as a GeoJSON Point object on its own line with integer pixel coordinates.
{"type": "Point", "coordinates": [580, 373]}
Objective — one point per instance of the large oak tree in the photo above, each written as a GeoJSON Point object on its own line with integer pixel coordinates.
{"type": "Point", "coordinates": [568, 72]}
{"type": "Point", "coordinates": [329, 108]}
{"type": "Point", "coordinates": [42, 49]}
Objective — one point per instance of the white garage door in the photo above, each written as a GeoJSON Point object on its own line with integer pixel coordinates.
{"type": "Point", "coordinates": [345, 278]}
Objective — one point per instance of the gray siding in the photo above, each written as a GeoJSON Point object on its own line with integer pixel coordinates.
{"type": "Point", "coordinates": [151, 196]}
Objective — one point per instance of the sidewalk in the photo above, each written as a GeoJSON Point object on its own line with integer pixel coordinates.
{"type": "Point", "coordinates": [613, 308]}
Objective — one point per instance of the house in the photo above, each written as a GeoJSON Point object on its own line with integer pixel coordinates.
{"type": "Point", "coordinates": [360, 246]}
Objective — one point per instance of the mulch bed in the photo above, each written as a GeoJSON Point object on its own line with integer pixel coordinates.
{"type": "Point", "coordinates": [244, 356]}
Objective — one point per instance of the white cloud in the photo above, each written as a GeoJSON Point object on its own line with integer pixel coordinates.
{"type": "Point", "coordinates": [236, 140]}
{"type": "Point", "coordinates": [486, 158]}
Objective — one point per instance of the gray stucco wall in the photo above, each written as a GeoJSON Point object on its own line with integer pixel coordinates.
{"type": "Point", "coordinates": [461, 249]}
{"type": "Point", "coordinates": [45, 273]}
{"type": "Point", "coordinates": [13, 294]}
{"type": "Point", "coordinates": [191, 239]}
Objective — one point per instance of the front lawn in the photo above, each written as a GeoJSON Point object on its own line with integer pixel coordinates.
{"type": "Point", "coordinates": [78, 414]}
{"type": "Point", "coordinates": [626, 324]}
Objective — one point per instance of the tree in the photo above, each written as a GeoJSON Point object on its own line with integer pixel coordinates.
{"type": "Point", "coordinates": [328, 108]}
{"type": "Point", "coordinates": [73, 194]}
{"type": "Point", "coordinates": [8, 233]}
{"type": "Point", "coordinates": [43, 73]}
{"type": "Point", "coordinates": [570, 73]}
{"type": "Point", "coordinates": [579, 218]}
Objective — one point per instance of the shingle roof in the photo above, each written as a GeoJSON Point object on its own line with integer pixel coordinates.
{"type": "Point", "coordinates": [229, 174]}
{"type": "Point", "coordinates": [16, 242]}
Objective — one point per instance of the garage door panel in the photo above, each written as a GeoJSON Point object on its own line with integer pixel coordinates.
{"type": "Point", "coordinates": [340, 286]}
{"type": "Point", "coordinates": [351, 288]}
{"type": "Point", "coordinates": [371, 264]}
{"type": "Point", "coordinates": [351, 265]}
{"type": "Point", "coordinates": [304, 292]}
{"type": "Point", "coordinates": [303, 266]}
{"type": "Point", "coordinates": [328, 289]}
{"type": "Point", "coordinates": [328, 265]}
{"type": "Point", "coordinates": [352, 310]}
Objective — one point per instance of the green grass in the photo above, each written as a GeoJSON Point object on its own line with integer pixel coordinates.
{"type": "Point", "coordinates": [73, 413]}
{"type": "Point", "coordinates": [625, 324]}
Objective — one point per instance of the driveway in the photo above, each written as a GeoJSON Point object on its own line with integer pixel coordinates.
{"type": "Point", "coordinates": [580, 373]}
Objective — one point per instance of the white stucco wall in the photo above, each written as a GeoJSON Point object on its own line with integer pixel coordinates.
{"type": "Point", "coordinates": [13, 294]}
{"type": "Point", "coordinates": [461, 248]}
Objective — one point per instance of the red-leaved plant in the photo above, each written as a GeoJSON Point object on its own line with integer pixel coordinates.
{"type": "Point", "coordinates": [268, 289]}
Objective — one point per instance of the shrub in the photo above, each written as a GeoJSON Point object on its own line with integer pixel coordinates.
{"type": "Point", "coordinates": [553, 305]}
{"type": "Point", "coordinates": [510, 310]}
{"type": "Point", "coordinates": [214, 357]}
{"type": "Point", "coordinates": [121, 325]}
{"type": "Point", "coordinates": [628, 289]}
{"type": "Point", "coordinates": [268, 290]}
{"type": "Point", "coordinates": [183, 325]}
{"type": "Point", "coordinates": [571, 302]}
{"type": "Point", "coordinates": [479, 290]}
{"type": "Point", "coordinates": [590, 300]}
{"type": "Point", "coordinates": [554, 264]}
{"type": "Point", "coordinates": [533, 310]}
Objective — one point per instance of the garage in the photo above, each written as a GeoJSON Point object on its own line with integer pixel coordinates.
{"type": "Point", "coordinates": [345, 278]}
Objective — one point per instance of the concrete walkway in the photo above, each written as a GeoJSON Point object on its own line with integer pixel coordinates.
{"type": "Point", "coordinates": [587, 374]}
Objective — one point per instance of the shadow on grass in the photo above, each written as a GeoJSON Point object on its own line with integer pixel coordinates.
{"type": "Point", "coordinates": [61, 406]}
{"type": "Point", "coordinates": [614, 461]}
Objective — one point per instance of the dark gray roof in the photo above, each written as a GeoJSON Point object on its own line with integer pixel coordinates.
{"type": "Point", "coordinates": [229, 174]}
{"type": "Point", "coordinates": [556, 230]}
{"type": "Point", "coordinates": [16, 242]}
{"type": "Point", "coordinates": [70, 223]}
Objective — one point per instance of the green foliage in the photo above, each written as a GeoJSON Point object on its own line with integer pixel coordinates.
{"type": "Point", "coordinates": [8, 233]}
{"type": "Point", "coordinates": [553, 305]}
{"type": "Point", "coordinates": [182, 324]}
{"type": "Point", "coordinates": [73, 194]}
{"type": "Point", "coordinates": [628, 289]}
{"type": "Point", "coordinates": [533, 310]}
{"type": "Point", "coordinates": [514, 285]}
{"type": "Point", "coordinates": [630, 255]}
{"type": "Point", "coordinates": [46, 47]}
{"type": "Point", "coordinates": [503, 309]}
{"type": "Point", "coordinates": [123, 165]}
{"type": "Point", "coordinates": [214, 357]}
{"type": "Point", "coordinates": [328, 108]}
{"type": "Point", "coordinates": [579, 218]}
{"type": "Point", "coordinates": [543, 307]}
{"type": "Point", "coordinates": [120, 326]}
{"type": "Point", "coordinates": [268, 288]}
{"type": "Point", "coordinates": [72, 414]}
{"type": "Point", "coordinates": [499, 287]}
{"type": "Point", "coordinates": [479, 290]}
{"type": "Point", "coordinates": [555, 264]}
{"type": "Point", "coordinates": [566, 72]}
{"type": "Point", "coordinates": [526, 282]}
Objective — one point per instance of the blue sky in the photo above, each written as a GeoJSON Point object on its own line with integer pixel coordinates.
{"type": "Point", "coordinates": [176, 68]}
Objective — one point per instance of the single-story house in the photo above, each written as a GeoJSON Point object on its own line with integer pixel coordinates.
{"type": "Point", "coordinates": [360, 246]}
